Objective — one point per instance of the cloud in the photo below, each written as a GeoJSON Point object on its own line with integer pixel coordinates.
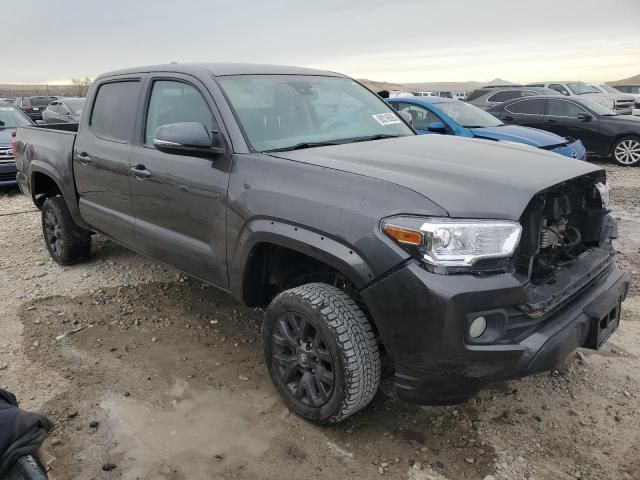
{"type": "Point", "coordinates": [406, 40]}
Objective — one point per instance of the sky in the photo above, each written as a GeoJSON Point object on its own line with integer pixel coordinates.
{"type": "Point", "coordinates": [404, 41]}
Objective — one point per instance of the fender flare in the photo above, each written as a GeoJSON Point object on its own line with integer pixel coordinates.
{"type": "Point", "coordinates": [319, 246]}
{"type": "Point", "coordinates": [68, 193]}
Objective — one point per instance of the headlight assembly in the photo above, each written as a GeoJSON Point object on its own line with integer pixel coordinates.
{"type": "Point", "coordinates": [445, 242]}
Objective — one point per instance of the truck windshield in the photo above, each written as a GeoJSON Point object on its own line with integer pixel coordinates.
{"type": "Point", "coordinates": [285, 112]}
{"type": "Point", "coordinates": [11, 117]}
{"type": "Point", "coordinates": [579, 88]}
{"type": "Point", "coordinates": [467, 115]}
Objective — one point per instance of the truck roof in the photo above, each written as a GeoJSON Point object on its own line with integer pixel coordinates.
{"type": "Point", "coordinates": [223, 69]}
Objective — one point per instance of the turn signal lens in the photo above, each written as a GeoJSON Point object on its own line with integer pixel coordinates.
{"type": "Point", "coordinates": [404, 235]}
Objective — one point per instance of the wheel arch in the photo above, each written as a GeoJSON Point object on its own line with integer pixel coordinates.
{"type": "Point", "coordinates": [44, 181]}
{"type": "Point", "coordinates": [299, 243]}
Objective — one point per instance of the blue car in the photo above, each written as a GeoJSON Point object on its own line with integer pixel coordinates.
{"type": "Point", "coordinates": [454, 117]}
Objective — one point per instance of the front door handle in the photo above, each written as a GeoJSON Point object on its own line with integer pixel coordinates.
{"type": "Point", "coordinates": [508, 119]}
{"type": "Point", "coordinates": [551, 120]}
{"type": "Point", "coordinates": [84, 158]}
{"type": "Point", "coordinates": [140, 172]}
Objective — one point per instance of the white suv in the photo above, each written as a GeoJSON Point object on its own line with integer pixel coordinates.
{"type": "Point", "coordinates": [617, 102]}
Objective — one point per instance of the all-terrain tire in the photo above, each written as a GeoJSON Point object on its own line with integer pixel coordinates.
{"type": "Point", "coordinates": [344, 332]}
{"type": "Point", "coordinates": [66, 242]}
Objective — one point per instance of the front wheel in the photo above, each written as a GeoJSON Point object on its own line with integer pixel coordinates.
{"type": "Point", "coordinates": [626, 151]}
{"type": "Point", "coordinates": [67, 242]}
{"type": "Point", "coordinates": [321, 352]}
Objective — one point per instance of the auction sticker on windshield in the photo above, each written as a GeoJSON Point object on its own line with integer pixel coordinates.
{"type": "Point", "coordinates": [386, 118]}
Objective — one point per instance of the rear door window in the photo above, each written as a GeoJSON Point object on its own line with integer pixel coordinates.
{"type": "Point", "coordinates": [533, 106]}
{"type": "Point", "coordinates": [559, 88]}
{"type": "Point", "coordinates": [563, 108]}
{"type": "Point", "coordinates": [114, 110]}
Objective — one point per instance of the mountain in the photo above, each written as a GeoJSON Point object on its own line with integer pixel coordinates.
{"type": "Point", "coordinates": [635, 80]}
{"type": "Point", "coordinates": [377, 86]}
{"type": "Point", "coordinates": [469, 86]}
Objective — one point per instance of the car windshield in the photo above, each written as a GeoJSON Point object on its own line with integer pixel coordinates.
{"type": "Point", "coordinates": [11, 117]}
{"type": "Point", "coordinates": [286, 112]}
{"type": "Point", "coordinates": [597, 108]}
{"type": "Point", "coordinates": [74, 104]}
{"type": "Point", "coordinates": [579, 88]}
{"type": "Point", "coordinates": [467, 115]}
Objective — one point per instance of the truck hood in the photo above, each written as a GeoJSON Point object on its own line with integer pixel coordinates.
{"type": "Point", "coordinates": [466, 177]}
{"type": "Point", "coordinates": [515, 133]}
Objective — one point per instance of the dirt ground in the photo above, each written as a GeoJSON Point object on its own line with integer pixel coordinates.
{"type": "Point", "coordinates": [167, 382]}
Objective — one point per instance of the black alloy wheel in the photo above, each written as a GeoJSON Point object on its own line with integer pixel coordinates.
{"type": "Point", "coordinates": [302, 359]}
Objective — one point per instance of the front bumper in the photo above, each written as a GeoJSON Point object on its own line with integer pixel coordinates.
{"type": "Point", "coordinates": [422, 318]}
{"type": "Point", "coordinates": [575, 149]}
{"type": "Point", "coordinates": [8, 173]}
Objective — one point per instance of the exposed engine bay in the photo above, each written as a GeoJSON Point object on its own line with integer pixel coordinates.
{"type": "Point", "coordinates": [562, 223]}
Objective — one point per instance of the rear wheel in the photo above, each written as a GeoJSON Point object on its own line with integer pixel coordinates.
{"type": "Point", "coordinates": [626, 151]}
{"type": "Point", "coordinates": [67, 242]}
{"type": "Point", "coordinates": [321, 352]}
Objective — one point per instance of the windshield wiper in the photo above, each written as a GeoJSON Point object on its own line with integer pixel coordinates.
{"type": "Point", "coordinates": [379, 136]}
{"type": "Point", "coordinates": [300, 146]}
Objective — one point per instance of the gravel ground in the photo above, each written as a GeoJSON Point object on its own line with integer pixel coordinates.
{"type": "Point", "coordinates": [167, 382]}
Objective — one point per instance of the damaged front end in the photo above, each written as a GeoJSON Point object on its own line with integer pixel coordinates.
{"type": "Point", "coordinates": [566, 242]}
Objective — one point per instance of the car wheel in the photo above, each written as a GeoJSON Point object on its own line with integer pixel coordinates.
{"type": "Point", "coordinates": [321, 352]}
{"type": "Point", "coordinates": [67, 243]}
{"type": "Point", "coordinates": [626, 151]}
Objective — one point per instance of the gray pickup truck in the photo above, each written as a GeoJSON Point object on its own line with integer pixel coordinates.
{"type": "Point", "coordinates": [302, 192]}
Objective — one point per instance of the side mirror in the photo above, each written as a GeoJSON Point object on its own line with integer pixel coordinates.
{"type": "Point", "coordinates": [40, 122]}
{"type": "Point", "coordinates": [406, 116]}
{"type": "Point", "coordinates": [585, 117]}
{"type": "Point", "coordinates": [437, 127]}
{"type": "Point", "coordinates": [188, 138]}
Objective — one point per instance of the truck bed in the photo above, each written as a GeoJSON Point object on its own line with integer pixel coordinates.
{"type": "Point", "coordinates": [48, 150]}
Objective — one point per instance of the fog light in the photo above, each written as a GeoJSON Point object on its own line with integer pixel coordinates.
{"type": "Point", "coordinates": [477, 327]}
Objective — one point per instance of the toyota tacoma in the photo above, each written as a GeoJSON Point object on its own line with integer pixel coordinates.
{"type": "Point", "coordinates": [303, 193]}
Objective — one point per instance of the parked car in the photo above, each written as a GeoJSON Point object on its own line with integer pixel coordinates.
{"type": "Point", "coordinates": [603, 132]}
{"type": "Point", "coordinates": [446, 116]}
{"type": "Point", "coordinates": [10, 119]}
{"type": "Point", "coordinates": [64, 110]}
{"type": "Point", "coordinates": [622, 104]}
{"type": "Point", "coordinates": [33, 106]}
{"type": "Point", "coordinates": [623, 101]}
{"type": "Point", "coordinates": [302, 192]}
{"type": "Point", "coordinates": [487, 97]}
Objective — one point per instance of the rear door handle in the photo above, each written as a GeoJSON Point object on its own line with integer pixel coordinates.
{"type": "Point", "coordinates": [140, 172]}
{"type": "Point", "coordinates": [84, 158]}
{"type": "Point", "coordinates": [508, 119]}
{"type": "Point", "coordinates": [551, 120]}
